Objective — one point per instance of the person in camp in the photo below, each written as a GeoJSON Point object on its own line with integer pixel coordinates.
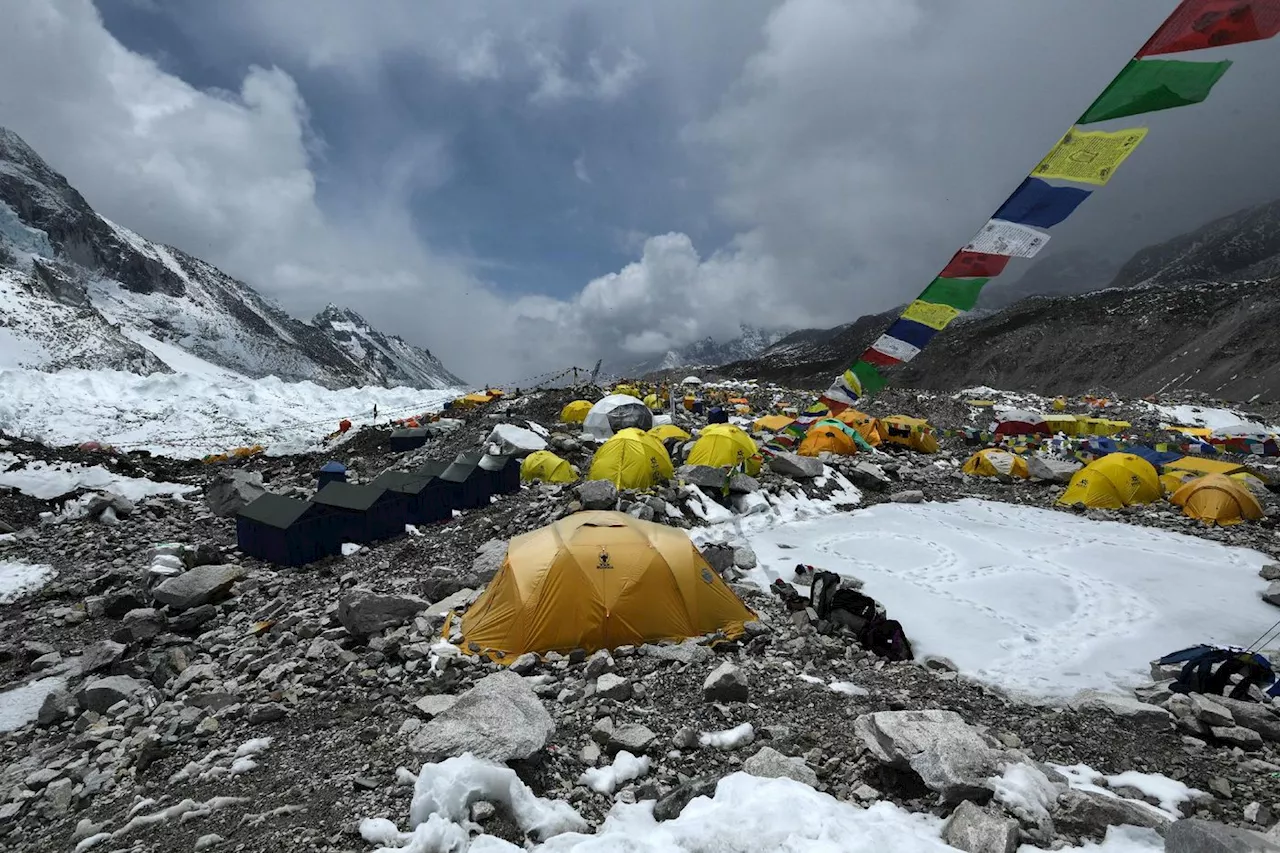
{"type": "Point", "coordinates": [860, 614]}
{"type": "Point", "coordinates": [375, 411]}
{"type": "Point", "coordinates": [343, 426]}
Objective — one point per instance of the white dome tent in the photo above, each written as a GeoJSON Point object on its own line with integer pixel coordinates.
{"type": "Point", "coordinates": [616, 412]}
{"type": "Point", "coordinates": [691, 380]}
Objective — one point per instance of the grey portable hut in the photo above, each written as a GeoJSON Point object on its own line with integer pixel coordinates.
{"type": "Point", "coordinates": [365, 513]}
{"type": "Point", "coordinates": [423, 503]}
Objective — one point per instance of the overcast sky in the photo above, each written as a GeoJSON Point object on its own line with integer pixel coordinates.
{"type": "Point", "coordinates": [521, 186]}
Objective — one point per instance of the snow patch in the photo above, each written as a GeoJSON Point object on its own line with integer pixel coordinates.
{"type": "Point", "coordinates": [605, 780]}
{"type": "Point", "coordinates": [45, 480]}
{"type": "Point", "coordinates": [19, 705]}
{"type": "Point", "coordinates": [729, 738]}
{"type": "Point", "coordinates": [17, 579]}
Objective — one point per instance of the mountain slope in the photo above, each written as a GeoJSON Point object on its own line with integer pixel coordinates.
{"type": "Point", "coordinates": [1064, 273]}
{"type": "Point", "coordinates": [752, 341]}
{"type": "Point", "coordinates": [86, 292]}
{"type": "Point", "coordinates": [1195, 312]}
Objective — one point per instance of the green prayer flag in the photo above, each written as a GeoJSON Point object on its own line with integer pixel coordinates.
{"type": "Point", "coordinates": [1149, 85]}
{"type": "Point", "coordinates": [961, 293]}
{"type": "Point", "coordinates": [870, 378]}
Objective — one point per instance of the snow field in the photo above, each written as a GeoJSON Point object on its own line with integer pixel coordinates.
{"type": "Point", "coordinates": [44, 480]}
{"type": "Point", "coordinates": [191, 414]}
{"type": "Point", "coordinates": [19, 578]}
{"type": "Point", "coordinates": [1038, 602]}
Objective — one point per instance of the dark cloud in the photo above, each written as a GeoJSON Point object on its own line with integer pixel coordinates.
{"type": "Point", "coordinates": [468, 174]}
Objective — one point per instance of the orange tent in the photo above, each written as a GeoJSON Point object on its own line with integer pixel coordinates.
{"type": "Point", "coordinates": [867, 426]}
{"type": "Point", "coordinates": [827, 438]}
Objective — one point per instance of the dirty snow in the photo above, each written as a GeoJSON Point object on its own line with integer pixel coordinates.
{"type": "Point", "coordinates": [1038, 602]}
{"type": "Point", "coordinates": [747, 813]}
{"type": "Point", "coordinates": [45, 480]}
{"type": "Point", "coordinates": [1207, 416]}
{"type": "Point", "coordinates": [19, 705]}
{"type": "Point", "coordinates": [191, 414]}
{"type": "Point", "coordinates": [729, 738]}
{"type": "Point", "coordinates": [1169, 792]}
{"type": "Point", "coordinates": [17, 579]}
{"type": "Point", "coordinates": [606, 780]}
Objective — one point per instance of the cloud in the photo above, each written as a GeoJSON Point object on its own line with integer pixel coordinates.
{"type": "Point", "coordinates": [580, 169]}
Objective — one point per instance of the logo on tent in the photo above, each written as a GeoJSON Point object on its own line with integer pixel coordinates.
{"type": "Point", "coordinates": [706, 575]}
{"type": "Point", "coordinates": [604, 560]}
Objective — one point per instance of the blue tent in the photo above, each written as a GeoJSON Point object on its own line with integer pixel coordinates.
{"type": "Point", "coordinates": [1155, 457]}
{"type": "Point", "coordinates": [331, 472]}
{"type": "Point", "coordinates": [717, 415]}
{"type": "Point", "coordinates": [287, 531]}
{"type": "Point", "coordinates": [1100, 446]}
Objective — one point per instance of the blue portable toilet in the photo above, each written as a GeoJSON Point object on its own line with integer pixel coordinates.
{"type": "Point", "coordinates": [331, 472]}
{"type": "Point", "coordinates": [365, 513]}
{"type": "Point", "coordinates": [717, 415]}
{"type": "Point", "coordinates": [287, 531]}
{"type": "Point", "coordinates": [423, 502]}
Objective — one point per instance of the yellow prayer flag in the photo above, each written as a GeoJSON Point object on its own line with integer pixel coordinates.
{"type": "Point", "coordinates": [1089, 157]}
{"type": "Point", "coordinates": [931, 314]}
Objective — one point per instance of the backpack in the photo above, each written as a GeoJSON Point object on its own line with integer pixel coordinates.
{"type": "Point", "coordinates": [886, 638]}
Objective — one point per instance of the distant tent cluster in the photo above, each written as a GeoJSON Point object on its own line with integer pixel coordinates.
{"type": "Point", "coordinates": [293, 532]}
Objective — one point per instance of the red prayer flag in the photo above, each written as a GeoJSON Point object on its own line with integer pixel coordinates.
{"type": "Point", "coordinates": [974, 265]}
{"type": "Point", "coordinates": [879, 359]}
{"type": "Point", "coordinates": [1198, 24]}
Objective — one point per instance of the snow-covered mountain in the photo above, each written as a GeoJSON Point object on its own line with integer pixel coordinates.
{"type": "Point", "coordinates": [752, 341]}
{"type": "Point", "coordinates": [77, 290]}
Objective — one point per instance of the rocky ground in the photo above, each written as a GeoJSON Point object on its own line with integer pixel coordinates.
{"type": "Point", "coordinates": [209, 701]}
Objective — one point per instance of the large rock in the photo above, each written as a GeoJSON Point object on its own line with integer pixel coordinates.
{"type": "Point", "coordinates": [1210, 712]}
{"type": "Point", "coordinates": [613, 686]}
{"type": "Point", "coordinates": [231, 490]}
{"type": "Point", "coordinates": [516, 441]}
{"type": "Point", "coordinates": [1253, 715]}
{"type": "Point", "coordinates": [144, 623]}
{"type": "Point", "coordinates": [1051, 470]}
{"type": "Point", "coordinates": [868, 475]}
{"type": "Point", "coordinates": [911, 496]}
{"type": "Point", "coordinates": [598, 494]}
{"type": "Point", "coordinates": [950, 756]}
{"type": "Point", "coordinates": [1125, 707]}
{"type": "Point", "coordinates": [99, 694]}
{"type": "Point", "coordinates": [201, 585]}
{"type": "Point", "coordinates": [743, 484]}
{"type": "Point", "coordinates": [58, 705]}
{"type": "Point", "coordinates": [726, 683]}
{"type": "Point", "coordinates": [771, 764]}
{"type": "Point", "coordinates": [1237, 736]}
{"type": "Point", "coordinates": [363, 612]}
{"type": "Point", "coordinates": [719, 556]}
{"type": "Point", "coordinates": [501, 719]}
{"type": "Point", "coordinates": [1272, 593]}
{"type": "Point", "coordinates": [704, 476]}
{"type": "Point", "coordinates": [795, 466]}
{"type": "Point", "coordinates": [1089, 813]}
{"type": "Point", "coordinates": [100, 655]}
{"type": "Point", "coordinates": [489, 557]}
{"type": "Point", "coordinates": [1201, 836]}
{"type": "Point", "coordinates": [975, 830]}
{"type": "Point", "coordinates": [632, 737]}
{"type": "Point", "coordinates": [686, 652]}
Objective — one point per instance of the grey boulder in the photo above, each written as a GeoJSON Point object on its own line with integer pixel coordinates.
{"type": "Point", "coordinates": [771, 764]}
{"type": "Point", "coordinates": [100, 655]}
{"type": "Point", "coordinates": [500, 719]}
{"type": "Point", "coordinates": [795, 466]}
{"type": "Point", "coordinates": [1125, 707]}
{"type": "Point", "coordinates": [726, 683]}
{"type": "Point", "coordinates": [364, 612]}
{"type": "Point", "coordinates": [232, 490]}
{"type": "Point", "coordinates": [950, 756]}
{"type": "Point", "coordinates": [1087, 813]}
{"type": "Point", "coordinates": [598, 494]}
{"type": "Point", "coordinates": [201, 585]}
{"type": "Point", "coordinates": [975, 830]}
{"type": "Point", "coordinates": [1051, 470]}
{"type": "Point", "coordinates": [100, 694]}
{"type": "Point", "coordinates": [1202, 836]}
{"type": "Point", "coordinates": [911, 496]}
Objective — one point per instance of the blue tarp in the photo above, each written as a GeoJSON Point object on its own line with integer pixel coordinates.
{"type": "Point", "coordinates": [1155, 457]}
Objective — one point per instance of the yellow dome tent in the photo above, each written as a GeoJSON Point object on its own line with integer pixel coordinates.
{"type": "Point", "coordinates": [914, 433]}
{"type": "Point", "coordinates": [629, 390]}
{"type": "Point", "coordinates": [1171, 481]}
{"type": "Point", "coordinates": [599, 580]}
{"type": "Point", "coordinates": [1200, 466]}
{"type": "Point", "coordinates": [575, 412]}
{"type": "Point", "coordinates": [1217, 499]}
{"type": "Point", "coordinates": [1059, 404]}
{"type": "Point", "coordinates": [828, 438]}
{"type": "Point", "coordinates": [652, 401]}
{"type": "Point", "coordinates": [993, 463]}
{"type": "Point", "coordinates": [546, 466]}
{"type": "Point", "coordinates": [631, 459]}
{"type": "Point", "coordinates": [662, 432]}
{"type": "Point", "coordinates": [722, 445]}
{"type": "Point", "coordinates": [772, 423]}
{"type": "Point", "coordinates": [1114, 481]}
{"type": "Point", "coordinates": [868, 427]}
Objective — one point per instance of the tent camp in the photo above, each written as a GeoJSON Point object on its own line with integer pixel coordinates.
{"type": "Point", "coordinates": [575, 412]}
{"type": "Point", "coordinates": [772, 423]}
{"type": "Point", "coordinates": [599, 580]}
{"type": "Point", "coordinates": [914, 433]}
{"type": "Point", "coordinates": [1114, 481]}
{"type": "Point", "coordinates": [364, 513]}
{"type": "Point", "coordinates": [631, 460]}
{"type": "Point", "coordinates": [871, 430]}
{"type": "Point", "coordinates": [828, 439]}
{"type": "Point", "coordinates": [1020, 422]}
{"type": "Point", "coordinates": [422, 504]}
{"type": "Point", "coordinates": [627, 390]}
{"type": "Point", "coordinates": [721, 445]}
{"type": "Point", "coordinates": [614, 413]}
{"type": "Point", "coordinates": [1217, 499]}
{"type": "Point", "coordinates": [1199, 465]}
{"type": "Point", "coordinates": [287, 531]}
{"type": "Point", "coordinates": [546, 466]}
{"type": "Point", "coordinates": [1060, 423]}
{"type": "Point", "coordinates": [996, 463]}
